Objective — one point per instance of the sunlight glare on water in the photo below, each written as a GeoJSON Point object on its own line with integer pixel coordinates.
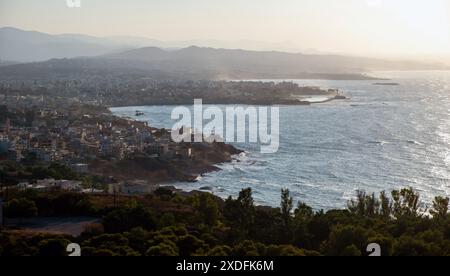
{"type": "Point", "coordinates": [382, 138]}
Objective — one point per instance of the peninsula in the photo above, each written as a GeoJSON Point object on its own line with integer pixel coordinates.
{"type": "Point", "coordinates": [123, 90]}
{"type": "Point", "coordinates": [95, 148]}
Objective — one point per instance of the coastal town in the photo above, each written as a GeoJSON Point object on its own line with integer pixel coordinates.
{"type": "Point", "coordinates": [121, 155]}
{"type": "Point", "coordinates": [113, 90]}
{"type": "Point", "coordinates": [67, 121]}
{"type": "Point", "coordinates": [224, 134]}
{"type": "Point", "coordinates": [58, 137]}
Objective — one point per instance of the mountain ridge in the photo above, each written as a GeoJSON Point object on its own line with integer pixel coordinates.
{"type": "Point", "coordinates": [75, 53]}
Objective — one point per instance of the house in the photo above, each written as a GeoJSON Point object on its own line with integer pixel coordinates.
{"type": "Point", "coordinates": [92, 191]}
{"type": "Point", "coordinates": [50, 183]}
{"type": "Point", "coordinates": [105, 147]}
{"type": "Point", "coordinates": [14, 155]}
{"type": "Point", "coordinates": [62, 124]}
{"type": "Point", "coordinates": [68, 185]}
{"type": "Point", "coordinates": [8, 151]}
{"type": "Point", "coordinates": [80, 168]}
{"type": "Point", "coordinates": [5, 146]}
{"type": "Point", "coordinates": [23, 185]}
{"type": "Point", "coordinates": [184, 152]}
{"type": "Point", "coordinates": [39, 123]}
{"type": "Point", "coordinates": [137, 187]}
{"type": "Point", "coordinates": [4, 150]}
{"type": "Point", "coordinates": [42, 155]}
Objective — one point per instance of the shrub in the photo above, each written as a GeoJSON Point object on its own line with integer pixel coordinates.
{"type": "Point", "coordinates": [20, 208]}
{"type": "Point", "coordinates": [125, 219]}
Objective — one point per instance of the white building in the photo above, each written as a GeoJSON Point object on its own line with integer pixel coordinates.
{"type": "Point", "coordinates": [137, 187]}
{"type": "Point", "coordinates": [81, 168]}
{"type": "Point", "coordinates": [66, 185]}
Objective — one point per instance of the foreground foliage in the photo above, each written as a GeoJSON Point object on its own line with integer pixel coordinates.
{"type": "Point", "coordinates": [168, 224]}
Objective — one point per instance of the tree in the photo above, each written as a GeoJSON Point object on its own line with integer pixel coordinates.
{"type": "Point", "coordinates": [248, 248]}
{"type": "Point", "coordinates": [189, 245]}
{"type": "Point", "coordinates": [95, 252]}
{"type": "Point", "coordinates": [125, 219]}
{"type": "Point", "coordinates": [372, 206]}
{"type": "Point", "coordinates": [59, 171]}
{"type": "Point", "coordinates": [167, 219]}
{"type": "Point", "coordinates": [351, 251]}
{"type": "Point", "coordinates": [406, 202]}
{"type": "Point", "coordinates": [358, 206]}
{"type": "Point", "coordinates": [246, 199]}
{"type": "Point", "coordinates": [220, 251]}
{"type": "Point", "coordinates": [266, 225]}
{"type": "Point", "coordinates": [162, 250]}
{"type": "Point", "coordinates": [364, 205]}
{"type": "Point", "coordinates": [138, 239]}
{"type": "Point", "coordinates": [440, 207]}
{"type": "Point", "coordinates": [344, 240]}
{"type": "Point", "coordinates": [385, 205]}
{"type": "Point", "coordinates": [240, 213]}
{"type": "Point", "coordinates": [110, 240]}
{"type": "Point", "coordinates": [40, 172]}
{"type": "Point", "coordinates": [206, 208]}
{"type": "Point", "coordinates": [164, 193]}
{"type": "Point", "coordinates": [411, 246]}
{"type": "Point", "coordinates": [284, 251]}
{"type": "Point", "coordinates": [286, 207]}
{"type": "Point", "coordinates": [21, 208]}
{"type": "Point", "coordinates": [319, 228]}
{"type": "Point", "coordinates": [53, 247]}
{"type": "Point", "coordinates": [303, 211]}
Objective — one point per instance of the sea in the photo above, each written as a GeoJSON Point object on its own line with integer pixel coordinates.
{"type": "Point", "coordinates": [384, 137]}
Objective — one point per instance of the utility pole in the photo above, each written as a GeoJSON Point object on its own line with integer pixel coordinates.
{"type": "Point", "coordinates": [115, 197]}
{"type": "Point", "coordinates": [1, 213]}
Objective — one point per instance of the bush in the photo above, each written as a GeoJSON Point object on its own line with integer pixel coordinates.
{"type": "Point", "coordinates": [220, 251]}
{"type": "Point", "coordinates": [20, 208]}
{"type": "Point", "coordinates": [53, 247]}
{"type": "Point", "coordinates": [163, 250]}
{"type": "Point", "coordinates": [284, 250]}
{"type": "Point", "coordinates": [345, 239]}
{"type": "Point", "coordinates": [189, 245]}
{"type": "Point", "coordinates": [125, 219]}
{"type": "Point", "coordinates": [163, 192]}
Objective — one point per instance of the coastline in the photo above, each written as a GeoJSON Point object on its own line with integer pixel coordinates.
{"type": "Point", "coordinates": [218, 153]}
{"type": "Point", "coordinates": [162, 169]}
{"type": "Point", "coordinates": [300, 101]}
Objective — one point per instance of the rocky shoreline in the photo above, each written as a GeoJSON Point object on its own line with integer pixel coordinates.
{"type": "Point", "coordinates": [159, 170]}
{"type": "Point", "coordinates": [209, 155]}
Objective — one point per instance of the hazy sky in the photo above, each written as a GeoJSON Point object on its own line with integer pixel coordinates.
{"type": "Point", "coordinates": [360, 27]}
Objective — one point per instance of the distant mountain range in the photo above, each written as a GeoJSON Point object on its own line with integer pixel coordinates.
{"type": "Point", "coordinates": [15, 44]}
{"type": "Point", "coordinates": [50, 53]}
{"type": "Point", "coordinates": [233, 63]}
{"type": "Point", "coordinates": [30, 46]}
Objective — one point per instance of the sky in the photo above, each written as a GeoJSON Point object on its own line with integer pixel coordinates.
{"type": "Point", "coordinates": [385, 28]}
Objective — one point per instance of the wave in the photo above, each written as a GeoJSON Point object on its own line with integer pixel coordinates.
{"type": "Point", "coordinates": [329, 151]}
{"type": "Point", "coordinates": [236, 168]}
{"type": "Point", "coordinates": [413, 142]}
{"type": "Point", "coordinates": [379, 142]}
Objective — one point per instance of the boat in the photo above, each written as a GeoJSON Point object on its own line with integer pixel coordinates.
{"type": "Point", "coordinates": [339, 96]}
{"type": "Point", "coordinates": [139, 113]}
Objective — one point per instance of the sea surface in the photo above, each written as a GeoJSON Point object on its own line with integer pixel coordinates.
{"type": "Point", "coordinates": [382, 138]}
